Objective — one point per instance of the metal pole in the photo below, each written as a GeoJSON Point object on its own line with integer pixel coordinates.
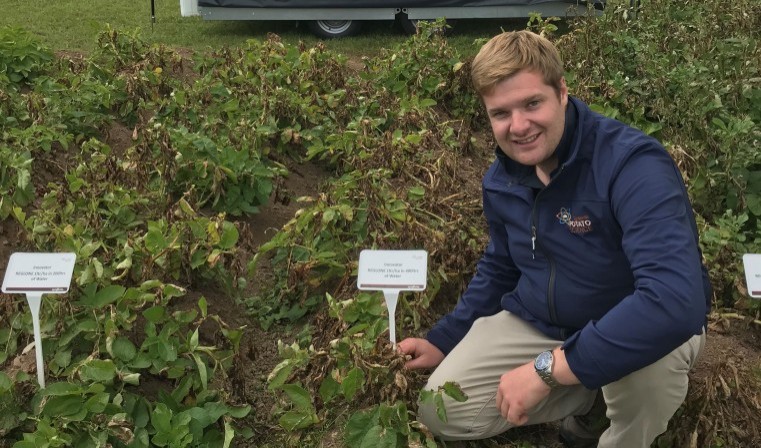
{"type": "Point", "coordinates": [153, 12]}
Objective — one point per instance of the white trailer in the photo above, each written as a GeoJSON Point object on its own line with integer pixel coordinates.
{"type": "Point", "coordinates": [337, 18]}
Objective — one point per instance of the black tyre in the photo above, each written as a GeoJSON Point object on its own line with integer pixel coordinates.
{"type": "Point", "coordinates": [334, 28]}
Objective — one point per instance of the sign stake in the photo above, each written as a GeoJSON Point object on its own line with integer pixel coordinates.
{"type": "Point", "coordinates": [391, 297]}
{"type": "Point", "coordinates": [35, 300]}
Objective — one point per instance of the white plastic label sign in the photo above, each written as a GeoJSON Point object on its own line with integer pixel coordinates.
{"type": "Point", "coordinates": [752, 264]}
{"type": "Point", "coordinates": [403, 270]}
{"type": "Point", "coordinates": [392, 271]}
{"type": "Point", "coordinates": [39, 272]}
{"type": "Point", "coordinates": [35, 274]}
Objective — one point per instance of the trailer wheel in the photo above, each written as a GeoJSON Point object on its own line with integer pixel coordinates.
{"type": "Point", "coordinates": [334, 28]}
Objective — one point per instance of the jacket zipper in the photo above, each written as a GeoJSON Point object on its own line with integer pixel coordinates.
{"type": "Point", "coordinates": [551, 281]}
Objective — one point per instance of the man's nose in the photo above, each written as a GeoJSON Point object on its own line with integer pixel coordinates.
{"type": "Point", "coordinates": [519, 124]}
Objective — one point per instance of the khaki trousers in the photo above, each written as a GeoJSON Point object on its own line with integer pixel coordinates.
{"type": "Point", "coordinates": [639, 405]}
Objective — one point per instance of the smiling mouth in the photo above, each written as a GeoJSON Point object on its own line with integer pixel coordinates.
{"type": "Point", "coordinates": [527, 140]}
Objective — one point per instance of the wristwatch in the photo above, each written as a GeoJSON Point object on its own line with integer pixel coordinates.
{"type": "Point", "coordinates": [543, 365]}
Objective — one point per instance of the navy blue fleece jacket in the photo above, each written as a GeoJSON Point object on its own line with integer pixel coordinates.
{"type": "Point", "coordinates": [605, 257]}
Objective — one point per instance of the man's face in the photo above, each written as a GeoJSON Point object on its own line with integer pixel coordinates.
{"type": "Point", "coordinates": [527, 117]}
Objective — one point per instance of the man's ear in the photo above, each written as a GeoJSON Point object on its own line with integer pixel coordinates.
{"type": "Point", "coordinates": [563, 92]}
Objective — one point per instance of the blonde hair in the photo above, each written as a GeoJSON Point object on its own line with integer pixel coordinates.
{"type": "Point", "coordinates": [508, 53]}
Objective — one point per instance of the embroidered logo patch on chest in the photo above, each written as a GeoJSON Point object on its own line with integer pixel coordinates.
{"type": "Point", "coordinates": [576, 224]}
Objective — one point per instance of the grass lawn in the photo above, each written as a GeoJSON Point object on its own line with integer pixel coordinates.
{"type": "Point", "coordinates": [73, 25]}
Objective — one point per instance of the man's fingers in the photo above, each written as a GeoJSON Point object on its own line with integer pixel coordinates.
{"type": "Point", "coordinates": [517, 418]}
{"type": "Point", "coordinates": [406, 346]}
{"type": "Point", "coordinates": [413, 364]}
{"type": "Point", "coordinates": [424, 354]}
{"type": "Point", "coordinates": [504, 409]}
{"type": "Point", "coordinates": [421, 362]}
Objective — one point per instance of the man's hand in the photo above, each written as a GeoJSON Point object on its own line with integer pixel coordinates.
{"type": "Point", "coordinates": [519, 391]}
{"type": "Point", "coordinates": [424, 354]}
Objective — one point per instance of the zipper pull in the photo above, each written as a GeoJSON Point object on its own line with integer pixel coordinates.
{"type": "Point", "coordinates": [533, 242]}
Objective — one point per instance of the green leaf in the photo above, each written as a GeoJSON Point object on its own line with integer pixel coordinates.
{"type": "Point", "coordinates": [292, 420]}
{"type": "Point", "coordinates": [98, 370]}
{"type": "Point", "coordinates": [427, 102]}
{"type": "Point", "coordinates": [155, 314]}
{"type": "Point", "coordinates": [214, 257]}
{"type": "Point", "coordinates": [98, 266]}
{"type": "Point", "coordinates": [414, 139]}
{"type": "Point", "coordinates": [150, 284]}
{"type": "Point", "coordinates": [415, 193]}
{"type": "Point", "coordinates": [198, 259]}
{"type": "Point", "coordinates": [62, 358]}
{"type": "Point", "coordinates": [167, 351]}
{"type": "Point", "coordinates": [62, 406]}
{"type": "Point", "coordinates": [141, 361]}
{"type": "Point", "coordinates": [105, 296]}
{"type": "Point", "coordinates": [124, 349]}
{"type": "Point", "coordinates": [234, 336]}
{"type": "Point", "coordinates": [161, 418]}
{"type": "Point", "coordinates": [131, 378]}
{"type": "Point", "coordinates": [280, 374]}
{"type": "Point", "coordinates": [352, 383]}
{"type": "Point", "coordinates": [328, 216]}
{"type": "Point", "coordinates": [182, 390]}
{"type": "Point", "coordinates": [125, 264]}
{"type": "Point", "coordinates": [229, 434]}
{"type": "Point", "coordinates": [5, 382]}
{"type": "Point", "coordinates": [238, 411]}
{"type": "Point", "coordinates": [379, 437]}
{"type": "Point", "coordinates": [86, 325]}
{"type": "Point", "coordinates": [169, 290]}
{"type": "Point", "coordinates": [24, 177]}
{"type": "Point", "coordinates": [203, 417]}
{"type": "Point", "coordinates": [193, 343]}
{"type": "Point", "coordinates": [359, 425]}
{"type": "Point", "coordinates": [329, 388]}
{"type": "Point", "coordinates": [62, 388]}
{"type": "Point", "coordinates": [87, 250]}
{"type": "Point", "coordinates": [299, 396]}
{"type": "Point", "coordinates": [201, 370]}
{"type": "Point", "coordinates": [95, 388]}
{"type": "Point", "coordinates": [454, 390]}
{"type": "Point", "coordinates": [203, 306]}
{"type": "Point", "coordinates": [155, 241]}
{"type": "Point", "coordinates": [185, 317]}
{"type": "Point", "coordinates": [441, 410]}
{"type": "Point", "coordinates": [97, 403]}
{"type": "Point", "coordinates": [229, 235]}
{"type": "Point", "coordinates": [140, 412]}
{"type": "Point", "coordinates": [753, 201]}
{"type": "Point", "coordinates": [426, 396]}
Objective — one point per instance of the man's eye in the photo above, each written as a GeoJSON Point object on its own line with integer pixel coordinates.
{"type": "Point", "coordinates": [533, 104]}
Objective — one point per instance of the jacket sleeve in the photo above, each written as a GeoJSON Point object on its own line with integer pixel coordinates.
{"type": "Point", "coordinates": [495, 276]}
{"type": "Point", "coordinates": [668, 305]}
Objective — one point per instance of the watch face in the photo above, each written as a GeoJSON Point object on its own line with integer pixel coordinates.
{"type": "Point", "coordinates": [543, 361]}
